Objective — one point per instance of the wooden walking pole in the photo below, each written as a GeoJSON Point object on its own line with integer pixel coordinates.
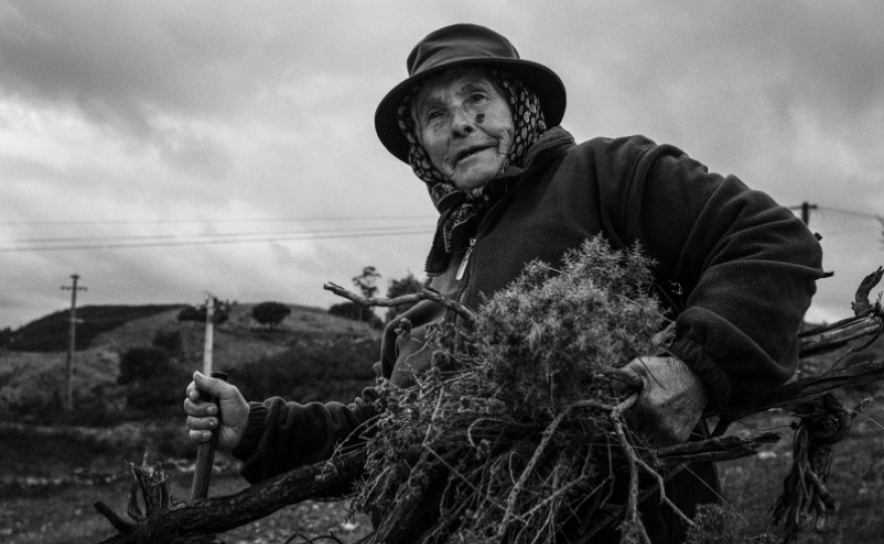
{"type": "Point", "coordinates": [210, 334]}
{"type": "Point", "coordinates": [205, 456]}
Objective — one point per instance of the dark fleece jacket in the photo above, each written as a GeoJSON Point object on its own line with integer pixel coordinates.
{"type": "Point", "coordinates": [735, 270]}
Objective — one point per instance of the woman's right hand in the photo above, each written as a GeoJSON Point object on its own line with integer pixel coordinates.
{"type": "Point", "coordinates": [202, 415]}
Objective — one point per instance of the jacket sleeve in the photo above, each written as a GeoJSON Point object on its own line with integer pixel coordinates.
{"type": "Point", "coordinates": [282, 436]}
{"type": "Point", "coordinates": [739, 270]}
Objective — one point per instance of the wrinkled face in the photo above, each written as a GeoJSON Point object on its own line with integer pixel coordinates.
{"type": "Point", "coordinates": [464, 123]}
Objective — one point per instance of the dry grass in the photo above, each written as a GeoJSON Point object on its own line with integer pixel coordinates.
{"type": "Point", "coordinates": [520, 419]}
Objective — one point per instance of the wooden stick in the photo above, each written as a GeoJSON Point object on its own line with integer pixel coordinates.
{"type": "Point", "coordinates": [425, 294]}
{"type": "Point", "coordinates": [808, 388]}
{"type": "Point", "coordinates": [191, 524]}
{"type": "Point", "coordinates": [205, 456]}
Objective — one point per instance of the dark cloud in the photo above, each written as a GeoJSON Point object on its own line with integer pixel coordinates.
{"type": "Point", "coordinates": [210, 110]}
{"type": "Point", "coordinates": [122, 63]}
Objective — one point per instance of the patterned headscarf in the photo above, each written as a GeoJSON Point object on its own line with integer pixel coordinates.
{"type": "Point", "coordinates": [460, 209]}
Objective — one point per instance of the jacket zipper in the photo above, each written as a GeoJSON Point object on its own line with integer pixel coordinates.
{"type": "Point", "coordinates": [464, 265]}
{"type": "Point", "coordinates": [466, 259]}
{"type": "Point", "coordinates": [465, 270]}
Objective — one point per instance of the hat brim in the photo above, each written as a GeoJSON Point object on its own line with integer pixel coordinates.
{"type": "Point", "coordinates": [537, 77]}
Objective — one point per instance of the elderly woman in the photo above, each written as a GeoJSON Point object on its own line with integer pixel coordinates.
{"type": "Point", "coordinates": [480, 127]}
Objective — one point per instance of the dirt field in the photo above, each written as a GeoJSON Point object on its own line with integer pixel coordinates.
{"type": "Point", "coordinates": [64, 513]}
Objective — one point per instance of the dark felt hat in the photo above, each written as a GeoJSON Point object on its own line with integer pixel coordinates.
{"type": "Point", "coordinates": [465, 45]}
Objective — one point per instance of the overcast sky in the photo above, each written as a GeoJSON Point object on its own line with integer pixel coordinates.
{"type": "Point", "coordinates": [130, 129]}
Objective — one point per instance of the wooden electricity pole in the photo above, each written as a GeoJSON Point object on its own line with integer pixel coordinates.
{"type": "Point", "coordinates": [805, 208]}
{"type": "Point", "coordinates": [72, 339]}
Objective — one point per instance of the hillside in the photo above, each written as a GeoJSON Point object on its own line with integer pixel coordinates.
{"type": "Point", "coordinates": [239, 340]}
{"type": "Point", "coordinates": [311, 353]}
{"type": "Point", "coordinates": [50, 333]}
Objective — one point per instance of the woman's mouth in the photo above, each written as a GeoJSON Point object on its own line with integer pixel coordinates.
{"type": "Point", "coordinates": [464, 153]}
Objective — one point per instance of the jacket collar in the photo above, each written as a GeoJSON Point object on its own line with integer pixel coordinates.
{"type": "Point", "coordinates": [545, 150]}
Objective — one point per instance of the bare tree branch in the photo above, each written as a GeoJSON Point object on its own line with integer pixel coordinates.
{"type": "Point", "coordinates": [197, 523]}
{"type": "Point", "coordinates": [425, 294]}
{"type": "Point", "coordinates": [861, 304]}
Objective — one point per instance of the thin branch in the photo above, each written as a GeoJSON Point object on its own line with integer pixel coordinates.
{"type": "Point", "coordinates": [425, 294]}
{"type": "Point", "coordinates": [632, 501]}
{"type": "Point", "coordinates": [861, 304]}
{"type": "Point", "coordinates": [664, 499]}
{"type": "Point", "coordinates": [724, 448]}
{"type": "Point", "coordinates": [836, 335]}
{"type": "Point", "coordinates": [529, 468]}
{"type": "Point", "coordinates": [808, 388]}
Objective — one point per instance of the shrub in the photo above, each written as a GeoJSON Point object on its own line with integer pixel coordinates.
{"type": "Point", "coordinates": [356, 312]}
{"type": "Point", "coordinates": [169, 340]}
{"type": "Point", "coordinates": [141, 364]}
{"type": "Point", "coordinates": [152, 377]}
{"type": "Point", "coordinates": [529, 390]}
{"type": "Point", "coordinates": [270, 313]}
{"type": "Point", "coordinates": [313, 372]}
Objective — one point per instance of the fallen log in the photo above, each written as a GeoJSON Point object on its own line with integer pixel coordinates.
{"type": "Point", "coordinates": [199, 522]}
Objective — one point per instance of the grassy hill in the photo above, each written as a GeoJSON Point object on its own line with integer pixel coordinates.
{"type": "Point", "coordinates": [50, 333]}
{"type": "Point", "coordinates": [311, 355]}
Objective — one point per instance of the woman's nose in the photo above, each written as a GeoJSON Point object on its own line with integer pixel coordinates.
{"type": "Point", "coordinates": [462, 123]}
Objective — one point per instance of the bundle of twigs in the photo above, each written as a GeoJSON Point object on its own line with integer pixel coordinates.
{"type": "Point", "coordinates": [517, 431]}
{"type": "Point", "coordinates": [530, 482]}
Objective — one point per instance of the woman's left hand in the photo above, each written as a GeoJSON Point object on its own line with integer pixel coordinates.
{"type": "Point", "coordinates": [671, 400]}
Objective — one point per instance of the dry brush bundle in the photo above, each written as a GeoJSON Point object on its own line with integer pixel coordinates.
{"type": "Point", "coordinates": [516, 432]}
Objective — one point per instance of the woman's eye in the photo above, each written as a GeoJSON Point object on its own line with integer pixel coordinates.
{"type": "Point", "coordinates": [433, 115]}
{"type": "Point", "coordinates": [478, 97]}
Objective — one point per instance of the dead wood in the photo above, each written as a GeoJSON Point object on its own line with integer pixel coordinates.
{"type": "Point", "coordinates": [425, 294]}
{"type": "Point", "coordinates": [861, 304]}
{"type": "Point", "coordinates": [822, 423]}
{"type": "Point", "coordinates": [197, 523]}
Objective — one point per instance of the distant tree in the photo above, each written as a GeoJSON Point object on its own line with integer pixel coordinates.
{"type": "Point", "coordinates": [270, 313]}
{"type": "Point", "coordinates": [5, 338]}
{"type": "Point", "coordinates": [143, 364]}
{"type": "Point", "coordinates": [152, 378]}
{"type": "Point", "coordinates": [367, 283]}
{"type": "Point", "coordinates": [404, 286]}
{"type": "Point", "coordinates": [198, 313]}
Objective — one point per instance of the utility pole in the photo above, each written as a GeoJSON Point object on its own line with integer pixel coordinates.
{"type": "Point", "coordinates": [805, 211]}
{"type": "Point", "coordinates": [72, 337]}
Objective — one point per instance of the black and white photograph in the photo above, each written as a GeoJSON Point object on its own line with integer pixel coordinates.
{"type": "Point", "coordinates": [441, 272]}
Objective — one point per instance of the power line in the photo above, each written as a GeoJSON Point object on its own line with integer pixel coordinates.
{"type": "Point", "coordinates": [210, 221]}
{"type": "Point", "coordinates": [335, 235]}
{"type": "Point", "coordinates": [851, 212]}
{"type": "Point", "coordinates": [807, 207]}
{"type": "Point", "coordinates": [212, 235]}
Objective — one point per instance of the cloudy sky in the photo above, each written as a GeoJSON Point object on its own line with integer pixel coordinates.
{"type": "Point", "coordinates": [164, 149]}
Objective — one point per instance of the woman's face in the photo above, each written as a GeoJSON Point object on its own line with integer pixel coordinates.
{"type": "Point", "coordinates": [464, 123]}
